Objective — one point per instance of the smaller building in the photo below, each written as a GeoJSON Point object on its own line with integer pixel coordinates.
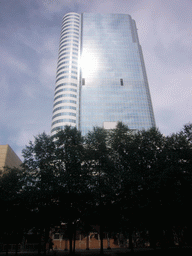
{"type": "Point", "coordinates": [8, 157]}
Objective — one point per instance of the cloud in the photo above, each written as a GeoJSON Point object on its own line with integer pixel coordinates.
{"type": "Point", "coordinates": [12, 61]}
{"type": "Point", "coordinates": [47, 73]}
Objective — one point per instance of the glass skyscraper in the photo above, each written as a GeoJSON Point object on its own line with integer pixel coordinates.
{"type": "Point", "coordinates": [101, 77]}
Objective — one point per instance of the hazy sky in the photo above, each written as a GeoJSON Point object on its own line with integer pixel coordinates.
{"type": "Point", "coordinates": [29, 42]}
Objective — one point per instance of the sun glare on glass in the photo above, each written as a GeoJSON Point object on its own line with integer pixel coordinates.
{"type": "Point", "coordinates": [88, 63]}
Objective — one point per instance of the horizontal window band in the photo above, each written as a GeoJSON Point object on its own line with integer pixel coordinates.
{"type": "Point", "coordinates": [69, 25]}
{"type": "Point", "coordinates": [64, 77]}
{"type": "Point", "coordinates": [68, 40]}
{"type": "Point", "coordinates": [70, 21]}
{"type": "Point", "coordinates": [65, 84]}
{"type": "Point", "coordinates": [71, 16]}
{"type": "Point", "coordinates": [69, 36]}
{"type": "Point", "coordinates": [63, 31]}
{"type": "Point", "coordinates": [63, 72]}
{"type": "Point", "coordinates": [64, 62]}
{"type": "Point", "coordinates": [64, 114]}
{"type": "Point", "coordinates": [65, 58]}
{"type": "Point", "coordinates": [58, 128]}
{"type": "Point", "coordinates": [71, 44]}
{"type": "Point", "coordinates": [66, 89]}
{"type": "Point", "coordinates": [64, 107]}
{"type": "Point", "coordinates": [66, 53]}
{"type": "Point", "coordinates": [62, 68]}
{"type": "Point", "coordinates": [74, 77]}
{"type": "Point", "coordinates": [64, 120]}
{"type": "Point", "coordinates": [65, 95]}
{"type": "Point", "coordinates": [64, 101]}
{"type": "Point", "coordinates": [71, 33]}
{"type": "Point", "coordinates": [68, 48]}
{"type": "Point", "coordinates": [67, 72]}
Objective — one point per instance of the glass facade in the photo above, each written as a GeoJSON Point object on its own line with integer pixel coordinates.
{"type": "Point", "coordinates": [112, 83]}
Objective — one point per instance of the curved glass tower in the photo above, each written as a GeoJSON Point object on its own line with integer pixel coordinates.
{"type": "Point", "coordinates": [101, 77]}
{"type": "Point", "coordinates": [66, 99]}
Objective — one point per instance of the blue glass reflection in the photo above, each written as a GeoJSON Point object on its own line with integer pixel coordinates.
{"type": "Point", "coordinates": [110, 52]}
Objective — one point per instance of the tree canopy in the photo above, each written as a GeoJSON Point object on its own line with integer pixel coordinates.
{"type": "Point", "coordinates": [143, 177]}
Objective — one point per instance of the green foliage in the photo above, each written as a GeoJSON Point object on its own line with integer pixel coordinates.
{"type": "Point", "coordinates": [133, 179]}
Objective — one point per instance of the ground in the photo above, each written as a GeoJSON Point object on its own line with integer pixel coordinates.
{"type": "Point", "coordinates": [113, 252]}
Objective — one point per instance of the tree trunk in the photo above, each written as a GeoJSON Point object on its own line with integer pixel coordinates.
{"type": "Point", "coordinates": [39, 245]}
{"type": "Point", "coordinates": [74, 238]}
{"type": "Point", "coordinates": [108, 242]}
{"type": "Point", "coordinates": [101, 238]}
{"type": "Point", "coordinates": [87, 241]}
{"type": "Point", "coordinates": [131, 239]}
{"type": "Point", "coordinates": [7, 245]}
{"type": "Point", "coordinates": [46, 239]}
{"type": "Point", "coordinates": [66, 249]}
{"type": "Point", "coordinates": [70, 239]}
{"type": "Point", "coordinates": [16, 248]}
{"type": "Point", "coordinates": [152, 238]}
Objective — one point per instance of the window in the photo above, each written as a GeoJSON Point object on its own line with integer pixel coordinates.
{"type": "Point", "coordinates": [63, 77]}
{"type": "Point", "coordinates": [65, 101]}
{"type": "Point", "coordinates": [67, 57]}
{"type": "Point", "coordinates": [64, 107]}
{"type": "Point", "coordinates": [64, 114]}
{"type": "Point", "coordinates": [65, 53]}
{"type": "Point", "coordinates": [65, 95]}
{"type": "Point", "coordinates": [62, 68]}
{"type": "Point", "coordinates": [66, 89]}
{"type": "Point", "coordinates": [63, 72]}
{"type": "Point", "coordinates": [64, 120]}
{"type": "Point", "coordinates": [65, 84]}
{"type": "Point", "coordinates": [62, 63]}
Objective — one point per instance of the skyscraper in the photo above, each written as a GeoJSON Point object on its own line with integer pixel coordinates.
{"type": "Point", "coordinates": [101, 77]}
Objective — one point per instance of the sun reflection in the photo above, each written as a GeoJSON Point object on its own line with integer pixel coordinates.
{"type": "Point", "coordinates": [88, 63]}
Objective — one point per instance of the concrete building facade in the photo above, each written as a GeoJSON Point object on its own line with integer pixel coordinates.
{"type": "Point", "coordinates": [8, 157]}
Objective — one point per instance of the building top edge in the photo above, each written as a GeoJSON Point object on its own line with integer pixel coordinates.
{"type": "Point", "coordinates": [68, 13]}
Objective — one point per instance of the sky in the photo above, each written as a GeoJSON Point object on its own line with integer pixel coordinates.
{"type": "Point", "coordinates": [29, 43]}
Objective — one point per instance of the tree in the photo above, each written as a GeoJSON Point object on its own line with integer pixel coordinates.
{"type": "Point", "coordinates": [144, 175]}
{"type": "Point", "coordinates": [101, 172]}
{"type": "Point", "coordinates": [121, 143]}
{"type": "Point", "coordinates": [146, 160]}
{"type": "Point", "coordinates": [12, 210]}
{"type": "Point", "coordinates": [71, 178]}
{"type": "Point", "coordinates": [40, 181]}
{"type": "Point", "coordinates": [138, 164]}
{"type": "Point", "coordinates": [176, 184]}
